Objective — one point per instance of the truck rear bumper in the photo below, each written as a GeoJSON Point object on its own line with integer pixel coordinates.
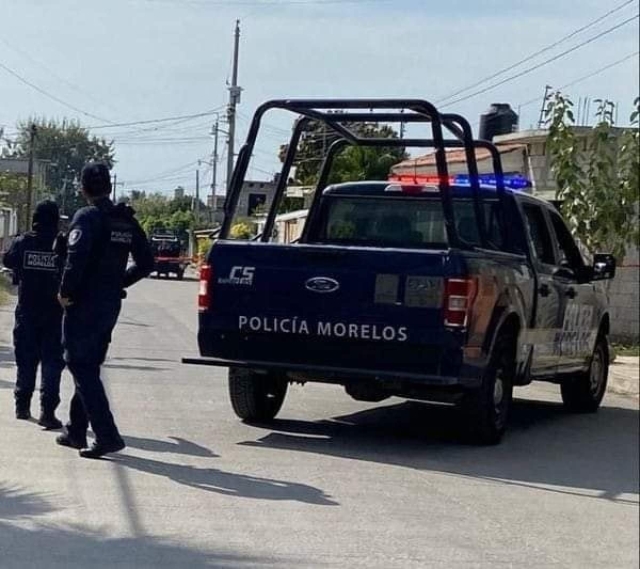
{"type": "Point", "coordinates": [343, 375]}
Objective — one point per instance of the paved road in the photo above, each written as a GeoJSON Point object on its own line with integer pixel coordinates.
{"type": "Point", "coordinates": [334, 483]}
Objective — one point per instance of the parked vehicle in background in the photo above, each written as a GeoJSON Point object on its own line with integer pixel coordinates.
{"type": "Point", "coordinates": [169, 255]}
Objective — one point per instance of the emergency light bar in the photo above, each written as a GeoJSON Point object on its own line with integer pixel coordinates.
{"type": "Point", "coordinates": [511, 181]}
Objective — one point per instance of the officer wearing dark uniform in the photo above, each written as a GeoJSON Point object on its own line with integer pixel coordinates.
{"type": "Point", "coordinates": [101, 238]}
{"type": "Point", "coordinates": [36, 269]}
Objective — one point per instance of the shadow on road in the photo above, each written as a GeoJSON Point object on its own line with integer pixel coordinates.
{"type": "Point", "coordinates": [137, 359]}
{"type": "Point", "coordinates": [109, 365]}
{"type": "Point", "coordinates": [595, 455]}
{"type": "Point", "coordinates": [45, 545]}
{"type": "Point", "coordinates": [228, 483]}
{"type": "Point", "coordinates": [7, 358]}
{"type": "Point", "coordinates": [130, 322]}
{"type": "Point", "coordinates": [15, 503]}
{"type": "Point", "coordinates": [176, 445]}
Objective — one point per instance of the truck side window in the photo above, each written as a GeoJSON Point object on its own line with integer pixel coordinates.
{"type": "Point", "coordinates": [539, 234]}
{"type": "Point", "coordinates": [569, 253]}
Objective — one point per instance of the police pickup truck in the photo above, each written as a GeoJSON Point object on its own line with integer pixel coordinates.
{"type": "Point", "coordinates": [445, 291]}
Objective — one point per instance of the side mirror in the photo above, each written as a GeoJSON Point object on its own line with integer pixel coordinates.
{"type": "Point", "coordinates": [604, 267]}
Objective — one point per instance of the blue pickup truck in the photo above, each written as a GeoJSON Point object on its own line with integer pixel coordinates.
{"type": "Point", "coordinates": [439, 292]}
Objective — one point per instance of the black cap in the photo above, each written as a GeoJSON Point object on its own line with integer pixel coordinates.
{"type": "Point", "coordinates": [46, 216]}
{"type": "Point", "coordinates": [96, 179]}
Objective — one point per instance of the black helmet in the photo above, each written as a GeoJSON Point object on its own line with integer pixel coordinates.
{"type": "Point", "coordinates": [46, 216]}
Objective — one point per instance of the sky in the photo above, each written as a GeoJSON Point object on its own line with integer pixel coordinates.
{"type": "Point", "coordinates": [136, 60]}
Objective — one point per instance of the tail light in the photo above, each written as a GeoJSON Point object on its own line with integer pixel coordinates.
{"type": "Point", "coordinates": [204, 290]}
{"type": "Point", "coordinates": [458, 301]}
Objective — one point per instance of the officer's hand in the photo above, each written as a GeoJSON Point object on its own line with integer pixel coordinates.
{"type": "Point", "coordinates": [64, 302]}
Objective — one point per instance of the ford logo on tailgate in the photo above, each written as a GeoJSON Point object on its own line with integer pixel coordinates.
{"type": "Point", "coordinates": [322, 284]}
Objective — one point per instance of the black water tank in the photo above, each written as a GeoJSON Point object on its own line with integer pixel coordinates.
{"type": "Point", "coordinates": [499, 119]}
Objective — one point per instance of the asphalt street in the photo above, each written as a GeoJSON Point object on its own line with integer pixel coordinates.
{"type": "Point", "coordinates": [332, 483]}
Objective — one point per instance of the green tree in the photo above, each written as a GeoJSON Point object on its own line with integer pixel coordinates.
{"type": "Point", "coordinates": [13, 193]}
{"type": "Point", "coordinates": [599, 190]}
{"type": "Point", "coordinates": [68, 146]}
{"type": "Point", "coordinates": [354, 163]}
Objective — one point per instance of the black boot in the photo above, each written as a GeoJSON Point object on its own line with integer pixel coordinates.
{"type": "Point", "coordinates": [23, 410]}
{"type": "Point", "coordinates": [66, 439]}
{"type": "Point", "coordinates": [49, 421]}
{"type": "Point", "coordinates": [98, 450]}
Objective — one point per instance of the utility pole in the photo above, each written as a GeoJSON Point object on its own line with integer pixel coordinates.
{"type": "Point", "coordinates": [115, 185]}
{"type": "Point", "coordinates": [541, 120]}
{"type": "Point", "coordinates": [197, 204]}
{"type": "Point", "coordinates": [234, 99]}
{"type": "Point", "coordinates": [32, 143]}
{"type": "Point", "coordinates": [214, 171]}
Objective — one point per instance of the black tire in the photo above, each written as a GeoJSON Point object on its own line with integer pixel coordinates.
{"type": "Point", "coordinates": [487, 409]}
{"type": "Point", "coordinates": [584, 392]}
{"type": "Point", "coordinates": [180, 275]}
{"type": "Point", "coordinates": [256, 397]}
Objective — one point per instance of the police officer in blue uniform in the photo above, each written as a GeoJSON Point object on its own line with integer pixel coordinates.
{"type": "Point", "coordinates": [101, 238]}
{"type": "Point", "coordinates": [38, 321]}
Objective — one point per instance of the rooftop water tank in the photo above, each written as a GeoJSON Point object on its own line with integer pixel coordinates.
{"type": "Point", "coordinates": [499, 119]}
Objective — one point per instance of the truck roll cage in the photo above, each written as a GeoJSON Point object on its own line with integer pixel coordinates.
{"type": "Point", "coordinates": [338, 114]}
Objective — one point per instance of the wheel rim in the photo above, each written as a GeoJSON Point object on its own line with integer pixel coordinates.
{"type": "Point", "coordinates": [498, 394]}
{"type": "Point", "coordinates": [596, 373]}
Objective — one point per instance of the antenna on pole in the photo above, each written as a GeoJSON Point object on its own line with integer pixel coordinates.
{"type": "Point", "coordinates": [541, 120]}
{"type": "Point", "coordinates": [234, 100]}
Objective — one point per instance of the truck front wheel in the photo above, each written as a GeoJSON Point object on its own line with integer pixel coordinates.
{"type": "Point", "coordinates": [487, 409]}
{"type": "Point", "coordinates": [256, 397]}
{"type": "Point", "coordinates": [584, 392]}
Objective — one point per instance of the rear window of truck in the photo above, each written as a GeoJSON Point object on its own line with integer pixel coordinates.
{"type": "Point", "coordinates": [399, 222]}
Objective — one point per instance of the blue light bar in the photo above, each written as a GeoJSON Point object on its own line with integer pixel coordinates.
{"type": "Point", "coordinates": [511, 181]}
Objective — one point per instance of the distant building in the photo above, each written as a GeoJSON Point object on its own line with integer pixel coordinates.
{"type": "Point", "coordinates": [178, 193]}
{"type": "Point", "coordinates": [255, 196]}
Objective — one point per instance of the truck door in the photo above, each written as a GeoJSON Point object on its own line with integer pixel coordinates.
{"type": "Point", "coordinates": [579, 326]}
{"type": "Point", "coordinates": [550, 303]}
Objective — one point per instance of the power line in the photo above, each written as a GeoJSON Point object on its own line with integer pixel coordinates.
{"type": "Point", "coordinates": [50, 71]}
{"type": "Point", "coordinates": [543, 63]}
{"type": "Point", "coordinates": [236, 3]}
{"type": "Point", "coordinates": [537, 53]}
{"type": "Point", "coordinates": [585, 77]}
{"type": "Point", "coordinates": [49, 95]}
{"type": "Point", "coordinates": [163, 119]}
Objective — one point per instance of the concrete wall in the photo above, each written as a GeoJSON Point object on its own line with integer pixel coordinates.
{"type": "Point", "coordinates": [624, 294]}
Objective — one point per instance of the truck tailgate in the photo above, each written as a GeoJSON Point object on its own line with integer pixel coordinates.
{"type": "Point", "coordinates": [322, 305]}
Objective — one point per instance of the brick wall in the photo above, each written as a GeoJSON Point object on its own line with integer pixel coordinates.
{"type": "Point", "coordinates": [624, 295]}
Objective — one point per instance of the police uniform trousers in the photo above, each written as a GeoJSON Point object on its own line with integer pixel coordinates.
{"type": "Point", "coordinates": [87, 328]}
{"type": "Point", "coordinates": [37, 341]}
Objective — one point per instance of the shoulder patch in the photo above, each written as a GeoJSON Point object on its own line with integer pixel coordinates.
{"type": "Point", "coordinates": [74, 236]}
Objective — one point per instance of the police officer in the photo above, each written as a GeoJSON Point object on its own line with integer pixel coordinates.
{"type": "Point", "coordinates": [38, 320]}
{"type": "Point", "coordinates": [101, 237]}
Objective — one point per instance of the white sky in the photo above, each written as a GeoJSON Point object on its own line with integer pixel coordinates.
{"type": "Point", "coordinates": [129, 60]}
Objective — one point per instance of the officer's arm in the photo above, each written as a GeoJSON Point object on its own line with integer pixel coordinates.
{"type": "Point", "coordinates": [80, 240]}
{"type": "Point", "coordinates": [142, 257]}
{"type": "Point", "coordinates": [11, 258]}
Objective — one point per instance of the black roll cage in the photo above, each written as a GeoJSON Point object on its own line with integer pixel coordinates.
{"type": "Point", "coordinates": [337, 114]}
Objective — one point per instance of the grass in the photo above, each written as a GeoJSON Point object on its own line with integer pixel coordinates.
{"type": "Point", "coordinates": [5, 290]}
{"type": "Point", "coordinates": [627, 350]}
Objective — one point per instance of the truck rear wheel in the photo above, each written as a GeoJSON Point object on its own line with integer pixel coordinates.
{"type": "Point", "coordinates": [254, 396]}
{"type": "Point", "coordinates": [584, 392]}
{"type": "Point", "coordinates": [180, 274]}
{"type": "Point", "coordinates": [487, 409]}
